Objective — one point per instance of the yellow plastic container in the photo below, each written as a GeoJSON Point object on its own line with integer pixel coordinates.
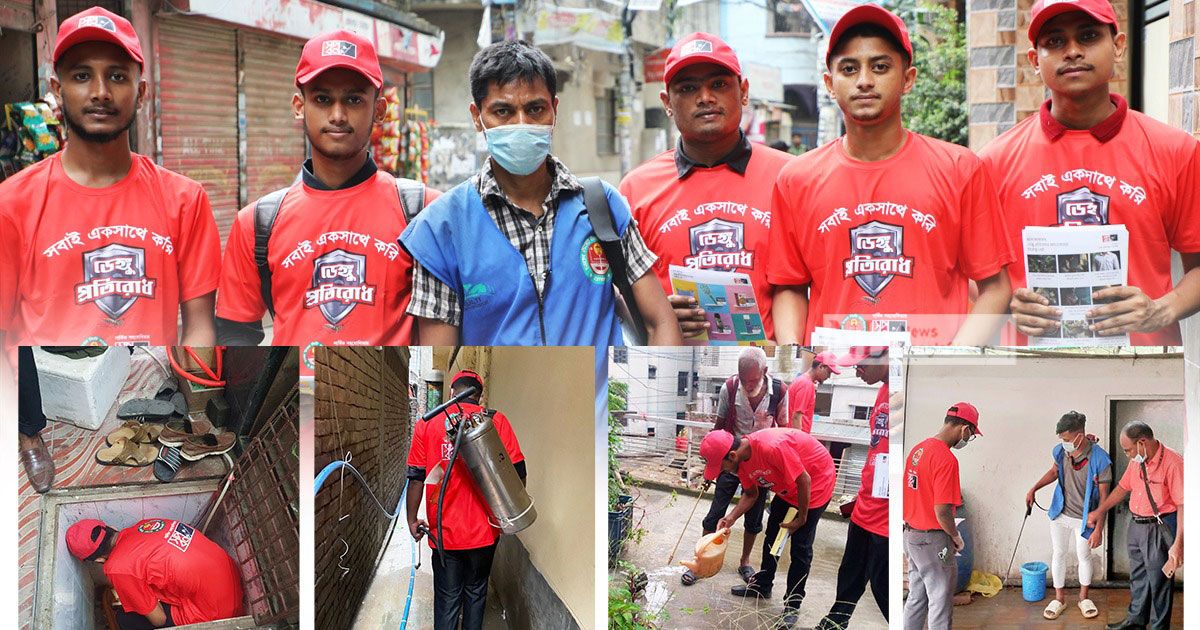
{"type": "Point", "coordinates": [710, 554]}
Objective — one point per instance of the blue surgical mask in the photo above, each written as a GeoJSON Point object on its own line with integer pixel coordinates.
{"type": "Point", "coordinates": [518, 149]}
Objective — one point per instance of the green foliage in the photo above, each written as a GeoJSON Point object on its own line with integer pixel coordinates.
{"type": "Point", "coordinates": [937, 105]}
{"type": "Point", "coordinates": [625, 610]}
{"type": "Point", "coordinates": [618, 394]}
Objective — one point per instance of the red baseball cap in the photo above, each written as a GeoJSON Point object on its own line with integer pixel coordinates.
{"type": "Point", "coordinates": [965, 411]}
{"type": "Point", "coordinates": [339, 49]}
{"type": "Point", "coordinates": [713, 449]}
{"type": "Point", "coordinates": [700, 48]}
{"type": "Point", "coordinates": [468, 373]}
{"type": "Point", "coordinates": [1044, 10]}
{"type": "Point", "coordinates": [829, 360]}
{"type": "Point", "coordinates": [870, 14]}
{"type": "Point", "coordinates": [97, 25]}
{"type": "Point", "coordinates": [857, 354]}
{"type": "Point", "coordinates": [83, 538]}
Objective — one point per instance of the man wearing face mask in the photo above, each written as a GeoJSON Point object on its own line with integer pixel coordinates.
{"type": "Point", "coordinates": [510, 256]}
{"type": "Point", "coordinates": [931, 539]}
{"type": "Point", "coordinates": [749, 401]}
{"type": "Point", "coordinates": [1153, 482]}
{"type": "Point", "coordinates": [1083, 471]}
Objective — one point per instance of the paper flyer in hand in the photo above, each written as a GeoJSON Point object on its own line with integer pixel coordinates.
{"type": "Point", "coordinates": [728, 302]}
{"type": "Point", "coordinates": [1067, 265]}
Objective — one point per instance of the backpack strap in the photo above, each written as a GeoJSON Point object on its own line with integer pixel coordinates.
{"type": "Point", "coordinates": [777, 392]}
{"type": "Point", "coordinates": [600, 214]}
{"type": "Point", "coordinates": [412, 197]}
{"type": "Point", "coordinates": [729, 422]}
{"type": "Point", "coordinates": [265, 211]}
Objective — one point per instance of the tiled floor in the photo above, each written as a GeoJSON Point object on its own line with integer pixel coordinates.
{"type": "Point", "coordinates": [1008, 610]}
{"type": "Point", "coordinates": [74, 452]}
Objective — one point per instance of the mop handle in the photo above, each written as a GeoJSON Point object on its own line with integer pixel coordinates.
{"type": "Point", "coordinates": [685, 526]}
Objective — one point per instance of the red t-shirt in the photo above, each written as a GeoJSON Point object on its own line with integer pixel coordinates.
{"type": "Point", "coordinates": [778, 456]}
{"type": "Point", "coordinates": [714, 218]}
{"type": "Point", "coordinates": [1144, 175]}
{"type": "Point", "coordinates": [802, 397]}
{"type": "Point", "coordinates": [338, 276]}
{"type": "Point", "coordinates": [887, 245]}
{"type": "Point", "coordinates": [161, 560]}
{"type": "Point", "coordinates": [930, 478]}
{"type": "Point", "coordinates": [467, 515]}
{"type": "Point", "coordinates": [102, 266]}
{"type": "Point", "coordinates": [871, 511]}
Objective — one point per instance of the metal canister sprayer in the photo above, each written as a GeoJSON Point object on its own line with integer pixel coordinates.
{"type": "Point", "coordinates": [494, 474]}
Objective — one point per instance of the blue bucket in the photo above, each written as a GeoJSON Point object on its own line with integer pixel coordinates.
{"type": "Point", "coordinates": [1033, 581]}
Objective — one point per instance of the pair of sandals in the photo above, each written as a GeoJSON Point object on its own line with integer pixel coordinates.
{"type": "Point", "coordinates": [134, 444]}
{"type": "Point", "coordinates": [746, 571]}
{"type": "Point", "coordinates": [1055, 609]}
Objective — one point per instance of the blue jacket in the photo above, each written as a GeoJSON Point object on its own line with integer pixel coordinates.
{"type": "Point", "coordinates": [1098, 460]}
{"type": "Point", "coordinates": [458, 242]}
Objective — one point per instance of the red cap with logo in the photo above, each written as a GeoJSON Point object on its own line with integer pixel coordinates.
{"type": "Point", "coordinates": [1044, 10]}
{"type": "Point", "coordinates": [858, 354]}
{"type": "Point", "coordinates": [965, 411]}
{"type": "Point", "coordinates": [713, 449]}
{"type": "Point", "coordinates": [700, 48]}
{"type": "Point", "coordinates": [870, 14]}
{"type": "Point", "coordinates": [339, 49]}
{"type": "Point", "coordinates": [83, 537]}
{"type": "Point", "coordinates": [829, 360]}
{"type": "Point", "coordinates": [97, 25]}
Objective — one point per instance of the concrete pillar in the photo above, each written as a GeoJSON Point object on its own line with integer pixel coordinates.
{"type": "Point", "coordinates": [1184, 59]}
{"type": "Point", "coordinates": [45, 15]}
{"type": "Point", "coordinates": [142, 18]}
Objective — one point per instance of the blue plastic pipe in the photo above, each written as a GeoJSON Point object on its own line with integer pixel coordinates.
{"type": "Point", "coordinates": [320, 480]}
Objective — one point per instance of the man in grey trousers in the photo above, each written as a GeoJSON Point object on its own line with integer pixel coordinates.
{"type": "Point", "coordinates": [931, 538]}
{"type": "Point", "coordinates": [1153, 482]}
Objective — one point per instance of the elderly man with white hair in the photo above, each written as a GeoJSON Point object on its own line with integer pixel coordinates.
{"type": "Point", "coordinates": [749, 401]}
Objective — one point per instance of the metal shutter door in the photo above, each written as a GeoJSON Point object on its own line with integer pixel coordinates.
{"type": "Point", "coordinates": [197, 91]}
{"type": "Point", "coordinates": [274, 139]}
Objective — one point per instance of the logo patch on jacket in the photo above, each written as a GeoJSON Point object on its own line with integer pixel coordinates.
{"type": "Point", "coordinates": [595, 264]}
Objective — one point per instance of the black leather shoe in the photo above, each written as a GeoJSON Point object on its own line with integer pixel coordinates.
{"type": "Point", "coordinates": [1125, 624]}
{"type": "Point", "coordinates": [789, 619]}
{"type": "Point", "coordinates": [750, 590]}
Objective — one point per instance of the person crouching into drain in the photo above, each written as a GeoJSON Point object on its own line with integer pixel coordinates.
{"type": "Point", "coordinates": [164, 572]}
{"type": "Point", "coordinates": [468, 536]}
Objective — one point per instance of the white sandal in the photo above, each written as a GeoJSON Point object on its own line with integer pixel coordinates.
{"type": "Point", "coordinates": [1088, 609]}
{"type": "Point", "coordinates": [1054, 609]}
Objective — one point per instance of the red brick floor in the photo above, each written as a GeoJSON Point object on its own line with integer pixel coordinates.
{"type": "Point", "coordinates": [1008, 610]}
{"type": "Point", "coordinates": [74, 452]}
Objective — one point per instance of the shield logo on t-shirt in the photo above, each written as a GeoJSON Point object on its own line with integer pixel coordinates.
{"type": "Point", "coordinates": [339, 284]}
{"type": "Point", "coordinates": [719, 244]}
{"type": "Point", "coordinates": [877, 256]}
{"type": "Point", "coordinates": [114, 277]}
{"type": "Point", "coordinates": [1082, 207]}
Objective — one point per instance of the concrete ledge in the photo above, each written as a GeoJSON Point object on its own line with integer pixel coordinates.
{"type": "Point", "coordinates": [528, 600]}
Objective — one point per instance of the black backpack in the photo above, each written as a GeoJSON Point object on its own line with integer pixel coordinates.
{"type": "Point", "coordinates": [412, 200]}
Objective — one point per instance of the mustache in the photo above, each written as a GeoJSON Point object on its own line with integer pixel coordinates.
{"type": "Point", "coordinates": [337, 129]}
{"type": "Point", "coordinates": [1084, 66]}
{"type": "Point", "coordinates": [705, 112]}
{"type": "Point", "coordinates": [101, 109]}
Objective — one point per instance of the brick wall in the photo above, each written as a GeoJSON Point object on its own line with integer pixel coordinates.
{"type": "Point", "coordinates": [1183, 106]}
{"type": "Point", "coordinates": [361, 407]}
{"type": "Point", "coordinates": [1002, 87]}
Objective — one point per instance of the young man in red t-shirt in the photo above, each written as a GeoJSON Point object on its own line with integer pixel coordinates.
{"type": "Point", "coordinates": [338, 276]}
{"type": "Point", "coordinates": [865, 559]}
{"type": "Point", "coordinates": [468, 538]}
{"type": "Point", "coordinates": [884, 228]}
{"type": "Point", "coordinates": [802, 393]}
{"type": "Point", "coordinates": [706, 204]}
{"type": "Point", "coordinates": [1087, 159]}
{"type": "Point", "coordinates": [799, 470]}
{"type": "Point", "coordinates": [98, 245]}
{"type": "Point", "coordinates": [931, 539]}
{"type": "Point", "coordinates": [165, 572]}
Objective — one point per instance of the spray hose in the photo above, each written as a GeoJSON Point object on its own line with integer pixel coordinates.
{"type": "Point", "coordinates": [415, 562]}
